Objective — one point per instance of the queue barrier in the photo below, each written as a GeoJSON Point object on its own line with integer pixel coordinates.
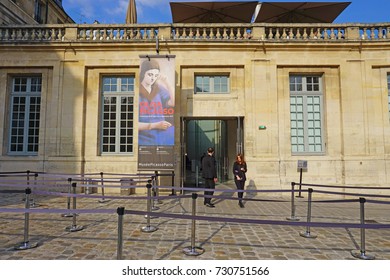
{"type": "Point", "coordinates": [149, 227]}
{"type": "Point", "coordinates": [74, 227]}
{"type": "Point", "coordinates": [26, 244]}
{"type": "Point", "coordinates": [307, 233]}
{"type": "Point", "coordinates": [193, 250]}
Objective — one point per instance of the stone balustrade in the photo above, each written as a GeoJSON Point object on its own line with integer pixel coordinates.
{"type": "Point", "coordinates": [206, 32]}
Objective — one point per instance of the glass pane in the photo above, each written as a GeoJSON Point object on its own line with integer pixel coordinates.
{"type": "Point", "coordinates": [306, 115]}
{"type": "Point", "coordinates": [25, 115]}
{"type": "Point", "coordinates": [117, 116]}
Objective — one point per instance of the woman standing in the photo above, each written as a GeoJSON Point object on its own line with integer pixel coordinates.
{"type": "Point", "coordinates": [239, 170]}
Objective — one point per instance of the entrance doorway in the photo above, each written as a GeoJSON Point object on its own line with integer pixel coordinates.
{"type": "Point", "coordinates": [225, 135]}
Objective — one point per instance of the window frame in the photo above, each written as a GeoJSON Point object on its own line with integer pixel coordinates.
{"type": "Point", "coordinates": [306, 95]}
{"type": "Point", "coordinates": [212, 83]}
{"type": "Point", "coordinates": [39, 11]}
{"type": "Point", "coordinates": [27, 119]}
{"type": "Point", "coordinates": [118, 95]}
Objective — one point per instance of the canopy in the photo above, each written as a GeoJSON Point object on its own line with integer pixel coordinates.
{"type": "Point", "coordinates": [213, 12]}
{"type": "Point", "coordinates": [300, 12]}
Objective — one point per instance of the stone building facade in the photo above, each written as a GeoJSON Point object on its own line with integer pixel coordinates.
{"type": "Point", "coordinates": [279, 93]}
{"type": "Point", "coordinates": [33, 12]}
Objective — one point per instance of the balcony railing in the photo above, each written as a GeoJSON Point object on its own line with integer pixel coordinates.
{"type": "Point", "coordinates": [202, 32]}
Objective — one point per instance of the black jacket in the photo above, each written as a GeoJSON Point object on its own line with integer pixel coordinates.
{"type": "Point", "coordinates": [240, 170]}
{"type": "Point", "coordinates": [209, 169]}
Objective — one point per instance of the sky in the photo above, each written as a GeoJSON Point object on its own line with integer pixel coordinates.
{"type": "Point", "coordinates": [159, 11]}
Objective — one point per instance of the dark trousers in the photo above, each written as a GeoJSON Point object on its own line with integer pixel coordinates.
{"type": "Point", "coordinates": [209, 184]}
{"type": "Point", "coordinates": [240, 186]}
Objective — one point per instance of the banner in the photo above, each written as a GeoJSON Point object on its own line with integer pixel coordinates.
{"type": "Point", "coordinates": [156, 126]}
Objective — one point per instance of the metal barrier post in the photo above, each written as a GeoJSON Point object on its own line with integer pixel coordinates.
{"type": "Point", "coordinates": [307, 234]}
{"type": "Point", "coordinates": [155, 193]}
{"type": "Point", "coordinates": [292, 218]}
{"type": "Point", "coordinates": [173, 193]}
{"type": "Point", "coordinates": [361, 254]}
{"type": "Point", "coordinates": [28, 183]}
{"type": "Point", "coordinates": [26, 243]}
{"type": "Point", "coordinates": [192, 250]}
{"type": "Point", "coordinates": [32, 202]}
{"type": "Point", "coordinates": [103, 200]}
{"type": "Point", "coordinates": [74, 226]}
{"type": "Point", "coordinates": [68, 215]}
{"type": "Point", "coordinates": [121, 212]}
{"type": "Point", "coordinates": [148, 227]}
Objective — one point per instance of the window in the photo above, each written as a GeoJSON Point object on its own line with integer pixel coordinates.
{"type": "Point", "coordinates": [39, 7]}
{"type": "Point", "coordinates": [306, 114]}
{"type": "Point", "coordinates": [25, 115]}
{"type": "Point", "coordinates": [212, 84]}
{"type": "Point", "coordinates": [117, 115]}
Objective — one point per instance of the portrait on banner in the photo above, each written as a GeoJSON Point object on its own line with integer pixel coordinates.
{"type": "Point", "coordinates": [156, 126]}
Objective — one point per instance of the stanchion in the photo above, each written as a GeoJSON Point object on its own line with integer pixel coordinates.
{"type": "Point", "coordinates": [28, 184]}
{"type": "Point", "coordinates": [74, 227]}
{"type": "Point", "coordinates": [26, 244]}
{"type": "Point", "coordinates": [32, 204]}
{"type": "Point", "coordinates": [292, 218]}
{"type": "Point", "coordinates": [192, 250]}
{"type": "Point", "coordinates": [157, 190]}
{"type": "Point", "coordinates": [68, 215]}
{"type": "Point", "coordinates": [148, 227]}
{"type": "Point", "coordinates": [361, 254]}
{"type": "Point", "coordinates": [103, 200]}
{"type": "Point", "coordinates": [173, 193]}
{"type": "Point", "coordinates": [307, 233]}
{"type": "Point", "coordinates": [32, 201]}
{"type": "Point", "coordinates": [155, 193]}
{"type": "Point", "coordinates": [121, 212]}
{"type": "Point", "coordinates": [154, 200]}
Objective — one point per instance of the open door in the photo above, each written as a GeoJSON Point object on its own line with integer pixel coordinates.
{"type": "Point", "coordinates": [224, 134]}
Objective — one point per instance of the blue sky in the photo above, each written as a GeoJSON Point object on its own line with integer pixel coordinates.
{"type": "Point", "coordinates": [159, 11]}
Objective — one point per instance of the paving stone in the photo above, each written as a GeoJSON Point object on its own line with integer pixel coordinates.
{"type": "Point", "coordinates": [220, 240]}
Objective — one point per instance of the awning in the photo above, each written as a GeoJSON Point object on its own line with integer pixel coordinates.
{"type": "Point", "coordinates": [300, 12]}
{"type": "Point", "coordinates": [213, 12]}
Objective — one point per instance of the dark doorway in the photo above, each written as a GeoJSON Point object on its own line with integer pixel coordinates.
{"type": "Point", "coordinates": [223, 134]}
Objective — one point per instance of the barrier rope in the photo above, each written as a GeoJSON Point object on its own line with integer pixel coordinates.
{"type": "Point", "coordinates": [193, 217]}
{"type": "Point", "coordinates": [200, 218]}
{"type": "Point", "coordinates": [342, 187]}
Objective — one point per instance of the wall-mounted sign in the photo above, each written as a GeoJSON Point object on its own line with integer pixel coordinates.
{"type": "Point", "coordinates": [302, 165]}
